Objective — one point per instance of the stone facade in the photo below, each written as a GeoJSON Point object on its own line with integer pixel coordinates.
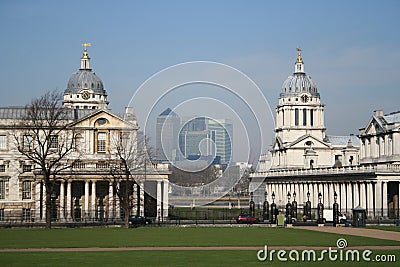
{"type": "Point", "coordinates": [85, 191]}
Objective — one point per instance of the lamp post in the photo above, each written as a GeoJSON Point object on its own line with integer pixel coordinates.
{"type": "Point", "coordinates": [335, 210]}
{"type": "Point", "coordinates": [294, 206]}
{"type": "Point", "coordinates": [288, 210]}
{"type": "Point", "coordinates": [320, 209]}
{"type": "Point", "coordinates": [308, 207]}
{"type": "Point", "coordinates": [273, 209]}
{"type": "Point", "coordinates": [266, 207]}
{"type": "Point", "coordinates": [252, 205]}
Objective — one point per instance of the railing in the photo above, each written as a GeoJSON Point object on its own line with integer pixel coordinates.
{"type": "Point", "coordinates": [318, 171]}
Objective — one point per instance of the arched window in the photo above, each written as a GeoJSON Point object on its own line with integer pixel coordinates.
{"type": "Point", "coordinates": [296, 116]}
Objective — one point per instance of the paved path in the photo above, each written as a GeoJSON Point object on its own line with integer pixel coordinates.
{"type": "Point", "coordinates": [367, 232]}
{"type": "Point", "coordinates": [187, 248]}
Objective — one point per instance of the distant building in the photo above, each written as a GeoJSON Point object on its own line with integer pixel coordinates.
{"type": "Point", "coordinates": [207, 138]}
{"type": "Point", "coordinates": [167, 132]}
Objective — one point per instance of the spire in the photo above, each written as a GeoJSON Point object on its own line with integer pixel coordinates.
{"type": "Point", "coordinates": [85, 60]}
{"type": "Point", "coordinates": [299, 65]}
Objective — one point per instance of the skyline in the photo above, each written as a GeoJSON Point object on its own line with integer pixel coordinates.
{"type": "Point", "coordinates": [350, 49]}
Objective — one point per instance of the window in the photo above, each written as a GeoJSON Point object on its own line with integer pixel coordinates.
{"type": "Point", "coordinates": [101, 121]}
{"type": "Point", "coordinates": [2, 168]}
{"type": "Point", "coordinates": [26, 189]}
{"type": "Point", "coordinates": [27, 142]}
{"type": "Point", "coordinates": [1, 214]}
{"type": "Point", "coordinates": [53, 141]}
{"type": "Point", "coordinates": [3, 141]}
{"type": "Point", "coordinates": [2, 190]}
{"type": "Point", "coordinates": [101, 142]}
{"type": "Point", "coordinates": [26, 168]}
{"type": "Point", "coordinates": [311, 117]}
{"type": "Point", "coordinates": [304, 117]}
{"type": "Point", "coordinates": [296, 116]}
{"type": "Point", "coordinates": [26, 214]}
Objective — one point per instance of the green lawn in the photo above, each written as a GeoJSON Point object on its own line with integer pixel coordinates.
{"type": "Point", "coordinates": [165, 258]}
{"type": "Point", "coordinates": [174, 236]}
{"type": "Point", "coordinates": [167, 236]}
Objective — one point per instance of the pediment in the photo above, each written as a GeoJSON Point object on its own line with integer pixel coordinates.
{"type": "Point", "coordinates": [103, 119]}
{"type": "Point", "coordinates": [374, 126]}
{"type": "Point", "coordinates": [308, 141]}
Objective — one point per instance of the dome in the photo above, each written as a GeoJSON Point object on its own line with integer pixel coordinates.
{"type": "Point", "coordinates": [299, 83]}
{"type": "Point", "coordinates": [85, 79]}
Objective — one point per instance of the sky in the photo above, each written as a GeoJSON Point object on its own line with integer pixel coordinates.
{"type": "Point", "coordinates": [350, 49]}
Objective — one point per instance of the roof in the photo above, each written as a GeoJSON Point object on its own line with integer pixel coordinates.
{"type": "Point", "coordinates": [168, 112]}
{"type": "Point", "coordinates": [342, 140]}
{"type": "Point", "coordinates": [19, 112]}
{"type": "Point", "coordinates": [392, 117]}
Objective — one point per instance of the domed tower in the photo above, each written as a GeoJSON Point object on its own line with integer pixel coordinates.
{"type": "Point", "coordinates": [299, 111]}
{"type": "Point", "coordinates": [85, 89]}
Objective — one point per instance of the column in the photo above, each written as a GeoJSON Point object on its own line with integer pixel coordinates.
{"type": "Point", "coordinates": [93, 201]}
{"type": "Point", "coordinates": [62, 209]}
{"type": "Point", "coordinates": [325, 195]}
{"type": "Point", "coordinates": [363, 200]}
{"type": "Point", "coordinates": [141, 188]}
{"type": "Point", "coordinates": [315, 195]}
{"type": "Point", "coordinates": [384, 199]}
{"type": "Point", "coordinates": [69, 190]}
{"type": "Point", "coordinates": [135, 198]}
{"type": "Point", "coordinates": [117, 212]}
{"type": "Point", "coordinates": [37, 201]}
{"type": "Point", "coordinates": [349, 197]}
{"type": "Point", "coordinates": [87, 199]}
{"type": "Point", "coordinates": [44, 202]}
{"type": "Point", "coordinates": [370, 200]}
{"type": "Point", "coordinates": [378, 199]}
{"type": "Point", "coordinates": [110, 201]}
{"type": "Point", "coordinates": [159, 198]}
{"type": "Point", "coordinates": [355, 194]}
{"type": "Point", "coordinates": [165, 197]}
{"type": "Point", "coordinates": [300, 194]}
{"type": "Point", "coordinates": [342, 204]}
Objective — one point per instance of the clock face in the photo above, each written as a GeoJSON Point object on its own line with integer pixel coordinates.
{"type": "Point", "coordinates": [304, 98]}
{"type": "Point", "coordinates": [85, 95]}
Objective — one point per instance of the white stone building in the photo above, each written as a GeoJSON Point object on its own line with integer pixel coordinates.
{"type": "Point", "coordinates": [303, 158]}
{"type": "Point", "coordinates": [83, 192]}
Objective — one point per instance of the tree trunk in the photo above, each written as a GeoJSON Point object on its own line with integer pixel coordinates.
{"type": "Point", "coordinates": [48, 208]}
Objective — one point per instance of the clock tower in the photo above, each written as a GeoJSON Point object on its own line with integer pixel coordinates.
{"type": "Point", "coordinates": [299, 111]}
{"type": "Point", "coordinates": [85, 90]}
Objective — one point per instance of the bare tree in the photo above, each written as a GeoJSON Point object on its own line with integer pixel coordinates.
{"type": "Point", "coordinates": [43, 136]}
{"type": "Point", "coordinates": [129, 157]}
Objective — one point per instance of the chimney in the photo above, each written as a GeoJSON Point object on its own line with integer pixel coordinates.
{"type": "Point", "coordinates": [378, 113]}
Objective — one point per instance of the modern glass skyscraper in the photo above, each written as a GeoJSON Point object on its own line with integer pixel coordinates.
{"type": "Point", "coordinates": [167, 132]}
{"type": "Point", "coordinates": [207, 137]}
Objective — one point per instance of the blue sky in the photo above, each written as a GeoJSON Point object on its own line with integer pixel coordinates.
{"type": "Point", "coordinates": [350, 48]}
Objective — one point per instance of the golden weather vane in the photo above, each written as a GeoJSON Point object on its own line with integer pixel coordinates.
{"type": "Point", "coordinates": [86, 45]}
{"type": "Point", "coordinates": [299, 58]}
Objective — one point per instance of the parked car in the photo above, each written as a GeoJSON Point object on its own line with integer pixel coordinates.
{"type": "Point", "coordinates": [138, 220]}
{"type": "Point", "coordinates": [245, 218]}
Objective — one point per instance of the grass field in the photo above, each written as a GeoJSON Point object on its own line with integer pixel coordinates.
{"type": "Point", "coordinates": [167, 236]}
